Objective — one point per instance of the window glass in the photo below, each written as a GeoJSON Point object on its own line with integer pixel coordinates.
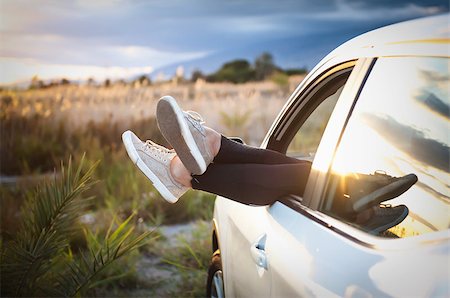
{"type": "Point", "coordinates": [399, 128]}
{"type": "Point", "coordinates": [306, 140]}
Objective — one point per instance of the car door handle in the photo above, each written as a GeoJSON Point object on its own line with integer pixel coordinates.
{"type": "Point", "coordinates": [258, 252]}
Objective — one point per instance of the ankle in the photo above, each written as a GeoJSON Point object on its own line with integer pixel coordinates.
{"type": "Point", "coordinates": [179, 172]}
{"type": "Point", "coordinates": [214, 140]}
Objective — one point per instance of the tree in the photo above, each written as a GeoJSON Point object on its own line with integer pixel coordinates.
{"type": "Point", "coordinates": [296, 71]}
{"type": "Point", "coordinates": [90, 82]}
{"type": "Point", "coordinates": [236, 71]}
{"type": "Point", "coordinates": [197, 74]}
{"type": "Point", "coordinates": [36, 83]}
{"type": "Point", "coordinates": [144, 80]}
{"type": "Point", "coordinates": [264, 66]}
{"type": "Point", "coordinates": [64, 81]}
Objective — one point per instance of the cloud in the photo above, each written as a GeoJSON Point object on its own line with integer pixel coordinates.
{"type": "Point", "coordinates": [192, 25]}
{"type": "Point", "coordinates": [143, 53]}
{"type": "Point", "coordinates": [412, 141]}
{"type": "Point", "coordinates": [22, 70]}
{"type": "Point", "coordinates": [250, 24]}
{"type": "Point", "coordinates": [132, 33]}
{"type": "Point", "coordinates": [368, 5]}
{"type": "Point", "coordinates": [98, 4]}
{"type": "Point", "coordinates": [435, 96]}
{"type": "Point", "coordinates": [434, 103]}
{"type": "Point", "coordinates": [49, 54]}
{"type": "Point", "coordinates": [358, 10]}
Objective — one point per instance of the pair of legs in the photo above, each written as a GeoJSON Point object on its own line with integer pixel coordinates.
{"type": "Point", "coordinates": [203, 159]}
{"type": "Point", "coordinates": [245, 174]}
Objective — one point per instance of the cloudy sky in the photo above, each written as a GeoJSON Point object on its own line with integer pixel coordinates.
{"type": "Point", "coordinates": [121, 38]}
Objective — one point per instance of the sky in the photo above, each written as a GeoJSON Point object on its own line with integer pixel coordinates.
{"type": "Point", "coordinates": [123, 38]}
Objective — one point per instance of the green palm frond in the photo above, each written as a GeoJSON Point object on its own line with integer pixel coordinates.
{"type": "Point", "coordinates": [84, 273]}
{"type": "Point", "coordinates": [48, 218]}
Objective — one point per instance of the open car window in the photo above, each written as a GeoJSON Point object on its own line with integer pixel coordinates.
{"type": "Point", "coordinates": [309, 115]}
{"type": "Point", "coordinates": [307, 139]}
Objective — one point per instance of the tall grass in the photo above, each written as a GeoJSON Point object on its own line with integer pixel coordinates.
{"type": "Point", "coordinates": [39, 128]}
{"type": "Point", "coordinates": [190, 258]}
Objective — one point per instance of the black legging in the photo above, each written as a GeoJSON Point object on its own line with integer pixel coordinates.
{"type": "Point", "coordinates": [252, 175]}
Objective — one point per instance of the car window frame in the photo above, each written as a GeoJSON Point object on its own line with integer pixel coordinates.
{"type": "Point", "coordinates": [304, 99]}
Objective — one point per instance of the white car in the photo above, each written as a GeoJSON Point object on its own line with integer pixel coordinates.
{"type": "Point", "coordinates": [378, 102]}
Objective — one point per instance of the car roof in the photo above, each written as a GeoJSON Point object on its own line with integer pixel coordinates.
{"type": "Point", "coordinates": [428, 36]}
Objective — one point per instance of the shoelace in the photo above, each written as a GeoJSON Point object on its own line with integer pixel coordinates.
{"type": "Point", "coordinates": [160, 151]}
{"type": "Point", "coordinates": [195, 116]}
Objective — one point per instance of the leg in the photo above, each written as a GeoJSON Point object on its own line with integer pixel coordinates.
{"type": "Point", "coordinates": [254, 184]}
{"type": "Point", "coordinates": [234, 152]}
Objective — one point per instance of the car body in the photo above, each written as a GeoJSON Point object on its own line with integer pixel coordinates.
{"type": "Point", "coordinates": [378, 102]}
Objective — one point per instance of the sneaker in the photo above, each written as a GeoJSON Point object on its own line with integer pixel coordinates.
{"type": "Point", "coordinates": [186, 133]}
{"type": "Point", "coordinates": [154, 161]}
{"type": "Point", "coordinates": [385, 217]}
{"type": "Point", "coordinates": [365, 191]}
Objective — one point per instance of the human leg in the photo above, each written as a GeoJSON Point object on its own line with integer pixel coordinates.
{"type": "Point", "coordinates": [234, 152]}
{"type": "Point", "coordinates": [253, 184]}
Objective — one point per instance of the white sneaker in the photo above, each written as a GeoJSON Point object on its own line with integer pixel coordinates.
{"type": "Point", "coordinates": [154, 161]}
{"type": "Point", "coordinates": [186, 133]}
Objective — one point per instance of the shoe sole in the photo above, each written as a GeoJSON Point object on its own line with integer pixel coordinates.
{"type": "Point", "coordinates": [176, 131]}
{"type": "Point", "coordinates": [385, 193]}
{"type": "Point", "coordinates": [392, 223]}
{"type": "Point", "coordinates": [134, 156]}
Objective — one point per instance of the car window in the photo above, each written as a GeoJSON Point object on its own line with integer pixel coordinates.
{"type": "Point", "coordinates": [395, 151]}
{"type": "Point", "coordinates": [306, 140]}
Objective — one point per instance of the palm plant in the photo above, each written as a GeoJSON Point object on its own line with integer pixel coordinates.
{"type": "Point", "coordinates": [39, 260]}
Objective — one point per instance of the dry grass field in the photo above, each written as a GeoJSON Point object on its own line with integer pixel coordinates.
{"type": "Point", "coordinates": [42, 127]}
{"type": "Point", "coordinates": [219, 103]}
